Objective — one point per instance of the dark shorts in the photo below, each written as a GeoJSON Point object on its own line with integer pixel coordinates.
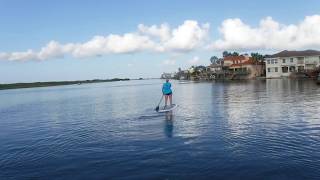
{"type": "Point", "coordinates": [168, 94]}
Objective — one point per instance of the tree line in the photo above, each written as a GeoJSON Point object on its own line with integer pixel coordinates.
{"type": "Point", "coordinates": [255, 56]}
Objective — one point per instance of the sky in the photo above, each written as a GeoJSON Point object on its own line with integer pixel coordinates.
{"type": "Point", "coordinates": [42, 40]}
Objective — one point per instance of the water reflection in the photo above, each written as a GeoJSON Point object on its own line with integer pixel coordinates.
{"type": "Point", "coordinates": [168, 127]}
{"type": "Point", "coordinates": [193, 106]}
{"type": "Point", "coordinates": [218, 129]}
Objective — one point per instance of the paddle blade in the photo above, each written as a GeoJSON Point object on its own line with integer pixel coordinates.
{"type": "Point", "coordinates": [157, 108]}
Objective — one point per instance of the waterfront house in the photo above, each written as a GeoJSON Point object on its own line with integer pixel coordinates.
{"type": "Point", "coordinates": [183, 75]}
{"type": "Point", "coordinates": [231, 60]}
{"type": "Point", "coordinates": [243, 67]}
{"type": "Point", "coordinates": [249, 68]}
{"type": "Point", "coordinates": [168, 75]}
{"type": "Point", "coordinates": [215, 71]}
{"type": "Point", "coordinates": [214, 68]}
{"type": "Point", "coordinates": [198, 73]}
{"type": "Point", "coordinates": [288, 63]}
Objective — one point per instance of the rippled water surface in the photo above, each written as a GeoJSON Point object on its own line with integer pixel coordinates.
{"type": "Point", "coordinates": [250, 130]}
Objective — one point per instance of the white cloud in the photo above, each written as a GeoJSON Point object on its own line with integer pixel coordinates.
{"type": "Point", "coordinates": [53, 50]}
{"type": "Point", "coordinates": [169, 62]}
{"type": "Point", "coordinates": [4, 56]}
{"type": "Point", "coordinates": [194, 61]}
{"type": "Point", "coordinates": [162, 32]}
{"type": "Point", "coordinates": [19, 56]}
{"type": "Point", "coordinates": [185, 37]}
{"type": "Point", "coordinates": [269, 35]}
{"type": "Point", "coordinates": [98, 45]}
{"type": "Point", "coordinates": [190, 35]}
{"type": "Point", "coordinates": [113, 44]}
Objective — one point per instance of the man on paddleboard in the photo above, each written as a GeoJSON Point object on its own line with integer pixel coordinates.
{"type": "Point", "coordinates": [167, 92]}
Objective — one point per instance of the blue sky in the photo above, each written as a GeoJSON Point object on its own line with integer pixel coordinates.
{"type": "Point", "coordinates": [33, 24]}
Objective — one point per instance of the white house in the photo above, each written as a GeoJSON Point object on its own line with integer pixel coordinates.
{"type": "Point", "coordinates": [168, 75]}
{"type": "Point", "coordinates": [286, 62]}
{"type": "Point", "coordinates": [214, 68]}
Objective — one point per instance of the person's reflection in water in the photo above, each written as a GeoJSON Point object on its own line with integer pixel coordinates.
{"type": "Point", "coordinates": [168, 128]}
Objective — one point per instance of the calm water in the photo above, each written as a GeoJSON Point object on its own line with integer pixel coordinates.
{"type": "Point", "coordinates": [250, 130]}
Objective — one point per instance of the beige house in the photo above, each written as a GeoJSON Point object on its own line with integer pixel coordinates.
{"type": "Point", "coordinates": [251, 68]}
{"type": "Point", "coordinates": [244, 65]}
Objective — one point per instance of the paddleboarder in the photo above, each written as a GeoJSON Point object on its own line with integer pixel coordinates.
{"type": "Point", "coordinates": [167, 92]}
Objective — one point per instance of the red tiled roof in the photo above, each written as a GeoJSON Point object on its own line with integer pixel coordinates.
{"type": "Point", "coordinates": [234, 58]}
{"type": "Point", "coordinates": [249, 62]}
{"type": "Point", "coordinates": [295, 53]}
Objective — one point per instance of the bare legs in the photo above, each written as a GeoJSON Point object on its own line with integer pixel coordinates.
{"type": "Point", "coordinates": [166, 99]}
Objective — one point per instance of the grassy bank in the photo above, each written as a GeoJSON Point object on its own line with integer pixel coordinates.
{"type": "Point", "coordinates": [55, 83]}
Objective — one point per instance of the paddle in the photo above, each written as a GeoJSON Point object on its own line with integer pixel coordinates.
{"type": "Point", "coordinates": [157, 108]}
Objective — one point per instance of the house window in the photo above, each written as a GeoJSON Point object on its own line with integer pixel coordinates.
{"type": "Point", "coordinates": [269, 70]}
{"type": "Point", "coordinates": [300, 68]}
{"type": "Point", "coordinates": [283, 60]}
{"type": "Point", "coordinates": [285, 69]}
{"type": "Point", "coordinates": [272, 61]}
{"type": "Point", "coordinates": [276, 61]}
{"type": "Point", "coordinates": [300, 60]}
{"type": "Point", "coordinates": [268, 61]}
{"type": "Point", "coordinates": [275, 69]}
{"type": "Point", "coordinates": [292, 68]}
{"type": "Point", "coordinates": [291, 60]}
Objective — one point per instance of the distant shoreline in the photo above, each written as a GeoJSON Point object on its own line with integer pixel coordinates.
{"type": "Point", "coordinates": [56, 83]}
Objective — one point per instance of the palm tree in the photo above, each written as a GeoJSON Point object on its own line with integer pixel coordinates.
{"type": "Point", "coordinates": [257, 57]}
{"type": "Point", "coordinates": [235, 54]}
{"type": "Point", "coordinates": [213, 59]}
{"type": "Point", "coordinates": [225, 53]}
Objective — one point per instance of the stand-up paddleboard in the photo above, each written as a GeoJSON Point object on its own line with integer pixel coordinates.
{"type": "Point", "coordinates": [167, 108]}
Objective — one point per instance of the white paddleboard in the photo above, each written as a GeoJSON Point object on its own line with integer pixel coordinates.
{"type": "Point", "coordinates": [167, 108]}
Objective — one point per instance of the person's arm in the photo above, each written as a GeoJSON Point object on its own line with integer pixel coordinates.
{"type": "Point", "coordinates": [163, 89]}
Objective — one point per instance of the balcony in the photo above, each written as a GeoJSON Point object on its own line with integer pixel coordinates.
{"type": "Point", "coordinates": [300, 62]}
